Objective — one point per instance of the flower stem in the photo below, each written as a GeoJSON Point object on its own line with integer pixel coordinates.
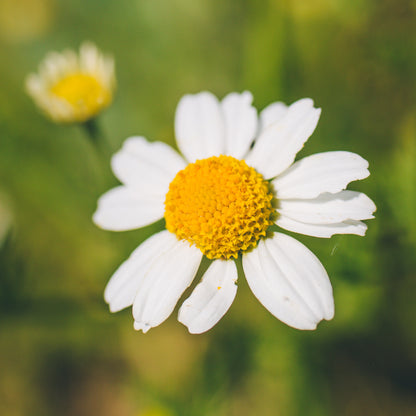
{"type": "Point", "coordinates": [92, 129]}
{"type": "Point", "coordinates": [101, 153]}
{"type": "Point", "coordinates": [96, 136]}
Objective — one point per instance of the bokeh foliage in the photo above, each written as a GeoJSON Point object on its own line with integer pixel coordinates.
{"type": "Point", "coordinates": [63, 353]}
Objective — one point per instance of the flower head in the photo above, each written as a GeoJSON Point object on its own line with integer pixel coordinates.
{"type": "Point", "coordinates": [73, 88]}
{"type": "Point", "coordinates": [237, 177]}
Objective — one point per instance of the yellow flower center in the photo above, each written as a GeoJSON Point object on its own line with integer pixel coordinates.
{"type": "Point", "coordinates": [84, 93]}
{"type": "Point", "coordinates": [219, 204]}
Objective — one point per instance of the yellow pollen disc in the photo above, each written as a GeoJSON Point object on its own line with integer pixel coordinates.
{"type": "Point", "coordinates": [219, 204]}
{"type": "Point", "coordinates": [84, 93]}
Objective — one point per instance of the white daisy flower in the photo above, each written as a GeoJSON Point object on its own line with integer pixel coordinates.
{"type": "Point", "coordinates": [236, 178]}
{"type": "Point", "coordinates": [71, 88]}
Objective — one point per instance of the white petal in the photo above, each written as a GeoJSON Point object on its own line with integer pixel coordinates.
{"type": "Point", "coordinates": [277, 146]}
{"type": "Point", "coordinates": [125, 282]}
{"type": "Point", "coordinates": [199, 126]}
{"type": "Point", "coordinates": [211, 298]}
{"type": "Point", "coordinates": [56, 65]}
{"type": "Point", "coordinates": [319, 173]}
{"type": "Point", "coordinates": [271, 114]}
{"type": "Point", "coordinates": [322, 230]}
{"type": "Point", "coordinates": [123, 208]}
{"type": "Point", "coordinates": [240, 123]}
{"type": "Point", "coordinates": [141, 326]}
{"type": "Point", "coordinates": [34, 85]}
{"type": "Point", "coordinates": [289, 281]}
{"type": "Point", "coordinates": [149, 167]}
{"type": "Point", "coordinates": [163, 284]}
{"type": "Point", "coordinates": [107, 71]}
{"type": "Point", "coordinates": [89, 57]}
{"type": "Point", "coordinates": [328, 208]}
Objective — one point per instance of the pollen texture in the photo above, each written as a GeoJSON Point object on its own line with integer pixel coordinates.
{"type": "Point", "coordinates": [84, 93]}
{"type": "Point", "coordinates": [221, 205]}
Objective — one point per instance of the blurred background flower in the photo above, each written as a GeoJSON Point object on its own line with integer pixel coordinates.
{"type": "Point", "coordinates": [63, 353]}
{"type": "Point", "coordinates": [73, 88]}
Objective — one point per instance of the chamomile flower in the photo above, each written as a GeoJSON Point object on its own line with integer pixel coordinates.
{"type": "Point", "coordinates": [236, 177]}
{"type": "Point", "coordinates": [73, 88]}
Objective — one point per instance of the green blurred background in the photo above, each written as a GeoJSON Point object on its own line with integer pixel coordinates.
{"type": "Point", "coordinates": [63, 353]}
